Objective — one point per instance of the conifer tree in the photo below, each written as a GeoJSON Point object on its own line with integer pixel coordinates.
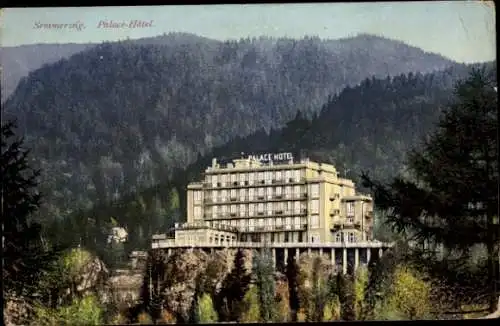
{"type": "Point", "coordinates": [264, 274]}
{"type": "Point", "coordinates": [292, 271]}
{"type": "Point", "coordinates": [450, 203]}
{"type": "Point", "coordinates": [235, 286]}
{"type": "Point", "coordinates": [25, 255]}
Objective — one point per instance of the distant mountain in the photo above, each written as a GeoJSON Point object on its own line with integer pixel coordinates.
{"type": "Point", "coordinates": [120, 116]}
{"type": "Point", "coordinates": [19, 61]}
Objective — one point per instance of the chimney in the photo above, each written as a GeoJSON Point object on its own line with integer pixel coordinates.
{"type": "Point", "coordinates": [214, 163]}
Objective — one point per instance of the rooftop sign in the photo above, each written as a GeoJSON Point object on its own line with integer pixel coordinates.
{"type": "Point", "coordinates": [272, 157]}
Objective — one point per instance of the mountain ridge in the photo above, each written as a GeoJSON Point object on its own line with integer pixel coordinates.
{"type": "Point", "coordinates": [18, 61]}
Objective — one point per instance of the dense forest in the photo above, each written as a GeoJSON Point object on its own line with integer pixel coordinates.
{"type": "Point", "coordinates": [122, 116]}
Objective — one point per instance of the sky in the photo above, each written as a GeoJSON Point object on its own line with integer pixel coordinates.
{"type": "Point", "coordinates": [460, 30]}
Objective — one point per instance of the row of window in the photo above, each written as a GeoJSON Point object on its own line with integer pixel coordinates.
{"type": "Point", "coordinates": [274, 237]}
{"type": "Point", "coordinates": [252, 177]}
{"type": "Point", "coordinates": [288, 206]}
{"type": "Point", "coordinates": [342, 236]}
{"type": "Point", "coordinates": [269, 222]}
{"type": "Point", "coordinates": [254, 192]}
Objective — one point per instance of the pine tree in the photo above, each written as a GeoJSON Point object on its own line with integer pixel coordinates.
{"type": "Point", "coordinates": [451, 202]}
{"type": "Point", "coordinates": [319, 293]}
{"type": "Point", "coordinates": [292, 271]}
{"type": "Point", "coordinates": [235, 287]}
{"type": "Point", "coordinates": [25, 255]}
{"type": "Point", "coordinates": [345, 290]}
{"type": "Point", "coordinates": [264, 274]}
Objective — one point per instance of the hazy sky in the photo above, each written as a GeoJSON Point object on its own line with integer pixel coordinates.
{"type": "Point", "coordinates": [460, 30]}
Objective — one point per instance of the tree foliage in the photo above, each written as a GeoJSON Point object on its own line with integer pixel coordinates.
{"type": "Point", "coordinates": [409, 296]}
{"type": "Point", "coordinates": [251, 312]}
{"type": "Point", "coordinates": [206, 310]}
{"type": "Point", "coordinates": [265, 282]}
{"type": "Point", "coordinates": [82, 311]}
{"type": "Point", "coordinates": [26, 255]}
{"type": "Point", "coordinates": [292, 272]}
{"type": "Point", "coordinates": [233, 290]}
{"type": "Point", "coordinates": [450, 201]}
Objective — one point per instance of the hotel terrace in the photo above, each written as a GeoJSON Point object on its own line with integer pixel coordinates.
{"type": "Point", "coordinates": [273, 201]}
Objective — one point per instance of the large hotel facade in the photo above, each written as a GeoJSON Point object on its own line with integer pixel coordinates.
{"type": "Point", "coordinates": [272, 201]}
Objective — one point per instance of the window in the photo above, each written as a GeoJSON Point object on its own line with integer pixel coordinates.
{"type": "Point", "coordinates": [269, 193]}
{"type": "Point", "coordinates": [350, 220]}
{"type": "Point", "coordinates": [350, 209]}
{"type": "Point", "coordinates": [296, 208]}
{"type": "Point", "coordinates": [269, 208]}
{"type": "Point", "coordinates": [288, 175]}
{"type": "Point", "coordinates": [251, 178]}
{"type": "Point", "coordinates": [278, 175]}
{"type": "Point", "coordinates": [287, 237]}
{"type": "Point", "coordinates": [214, 211]}
{"type": "Point", "coordinates": [223, 179]}
{"type": "Point", "coordinates": [197, 196]}
{"type": "Point", "coordinates": [197, 212]}
{"type": "Point", "coordinates": [297, 175]}
{"type": "Point", "coordinates": [296, 191]}
{"type": "Point", "coordinates": [338, 237]}
{"type": "Point", "coordinates": [315, 206]}
{"type": "Point", "coordinates": [251, 209]}
{"type": "Point", "coordinates": [315, 190]}
{"type": "Point", "coordinates": [260, 176]}
{"type": "Point", "coordinates": [314, 221]}
{"type": "Point", "coordinates": [242, 178]}
{"type": "Point", "coordinates": [301, 237]}
{"type": "Point", "coordinates": [351, 237]}
{"type": "Point", "coordinates": [278, 191]}
{"type": "Point", "coordinates": [297, 220]}
{"type": "Point", "coordinates": [251, 193]}
{"type": "Point", "coordinates": [260, 208]}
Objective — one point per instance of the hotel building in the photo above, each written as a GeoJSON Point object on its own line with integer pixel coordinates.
{"type": "Point", "coordinates": [274, 201]}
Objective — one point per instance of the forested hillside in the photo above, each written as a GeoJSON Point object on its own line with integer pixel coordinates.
{"type": "Point", "coordinates": [368, 127]}
{"type": "Point", "coordinates": [121, 116]}
{"type": "Point", "coordinates": [364, 128]}
{"type": "Point", "coordinates": [18, 61]}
